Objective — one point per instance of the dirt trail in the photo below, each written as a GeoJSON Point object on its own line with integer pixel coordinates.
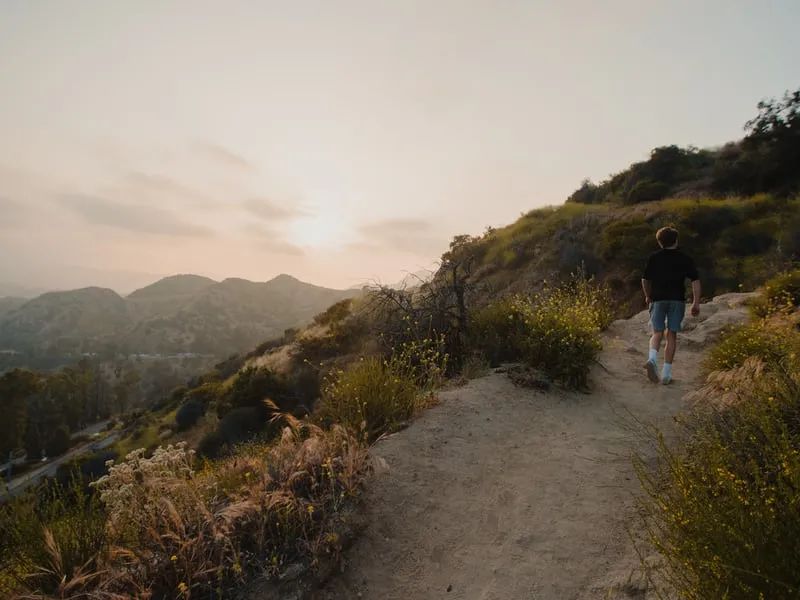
{"type": "Point", "coordinates": [506, 493]}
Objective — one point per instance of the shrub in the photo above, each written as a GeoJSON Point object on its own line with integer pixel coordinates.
{"type": "Point", "coordinates": [374, 396]}
{"type": "Point", "coordinates": [251, 387]}
{"type": "Point", "coordinates": [557, 331]}
{"type": "Point", "coordinates": [769, 340]}
{"type": "Point", "coordinates": [242, 423]}
{"type": "Point", "coordinates": [188, 414]}
{"type": "Point", "coordinates": [781, 293]}
{"type": "Point", "coordinates": [335, 313]}
{"type": "Point", "coordinates": [59, 442]}
{"type": "Point", "coordinates": [647, 191]}
{"type": "Point", "coordinates": [724, 511]}
{"type": "Point", "coordinates": [160, 528]}
{"type": "Point", "coordinates": [51, 541]}
{"type": "Point", "coordinates": [498, 329]}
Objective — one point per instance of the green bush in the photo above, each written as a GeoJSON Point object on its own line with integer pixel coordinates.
{"type": "Point", "coordinates": [781, 293]}
{"type": "Point", "coordinates": [52, 537]}
{"type": "Point", "coordinates": [374, 396]}
{"type": "Point", "coordinates": [724, 512]}
{"type": "Point", "coordinates": [557, 331]}
{"type": "Point", "coordinates": [499, 329]}
{"type": "Point", "coordinates": [768, 340]}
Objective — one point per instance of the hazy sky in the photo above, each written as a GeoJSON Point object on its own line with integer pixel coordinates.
{"type": "Point", "coordinates": [340, 141]}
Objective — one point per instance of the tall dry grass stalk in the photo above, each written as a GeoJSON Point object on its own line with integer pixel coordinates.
{"type": "Point", "coordinates": [176, 529]}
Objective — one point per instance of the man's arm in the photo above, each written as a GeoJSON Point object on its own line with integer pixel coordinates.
{"type": "Point", "coordinates": [647, 284]}
{"type": "Point", "coordinates": [647, 288]}
{"type": "Point", "coordinates": [695, 297]}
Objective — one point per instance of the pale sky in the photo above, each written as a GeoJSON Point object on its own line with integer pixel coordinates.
{"type": "Point", "coordinates": [342, 141]}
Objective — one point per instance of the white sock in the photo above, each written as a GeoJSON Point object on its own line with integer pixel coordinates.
{"type": "Point", "coordinates": [653, 355]}
{"type": "Point", "coordinates": [667, 372]}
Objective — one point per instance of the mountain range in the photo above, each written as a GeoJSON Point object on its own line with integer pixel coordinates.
{"type": "Point", "coordinates": [177, 314]}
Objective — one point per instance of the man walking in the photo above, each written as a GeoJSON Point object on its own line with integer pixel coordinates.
{"type": "Point", "coordinates": [664, 286]}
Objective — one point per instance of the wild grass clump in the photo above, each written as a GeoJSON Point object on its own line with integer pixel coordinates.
{"type": "Point", "coordinates": [58, 532]}
{"type": "Point", "coordinates": [724, 510]}
{"type": "Point", "coordinates": [168, 527]}
{"type": "Point", "coordinates": [780, 294]}
{"type": "Point", "coordinates": [557, 331]}
{"type": "Point", "coordinates": [378, 395]}
{"type": "Point", "coordinates": [771, 340]}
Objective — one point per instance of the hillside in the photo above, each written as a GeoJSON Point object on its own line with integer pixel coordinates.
{"type": "Point", "coordinates": [736, 242]}
{"type": "Point", "coordinates": [9, 303]}
{"type": "Point", "coordinates": [78, 320]}
{"type": "Point", "coordinates": [504, 492]}
{"type": "Point", "coordinates": [179, 314]}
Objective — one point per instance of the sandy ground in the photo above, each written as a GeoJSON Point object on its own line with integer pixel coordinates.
{"type": "Point", "coordinates": [503, 493]}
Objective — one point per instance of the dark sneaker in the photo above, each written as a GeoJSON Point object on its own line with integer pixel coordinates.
{"type": "Point", "coordinates": [652, 371]}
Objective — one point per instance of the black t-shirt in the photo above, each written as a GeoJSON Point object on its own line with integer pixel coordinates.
{"type": "Point", "coordinates": [667, 271]}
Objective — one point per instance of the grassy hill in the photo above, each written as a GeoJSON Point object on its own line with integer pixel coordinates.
{"type": "Point", "coordinates": [735, 242]}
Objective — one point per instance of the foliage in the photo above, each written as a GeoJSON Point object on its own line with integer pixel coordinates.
{"type": "Point", "coordinates": [375, 396]}
{"type": "Point", "coordinates": [342, 335]}
{"type": "Point", "coordinates": [557, 330]}
{"type": "Point", "coordinates": [164, 528]}
{"type": "Point", "coordinates": [780, 294]}
{"type": "Point", "coordinates": [723, 511]}
{"type": "Point", "coordinates": [51, 539]}
{"type": "Point", "coordinates": [15, 386]}
{"type": "Point", "coordinates": [251, 387]}
{"type": "Point", "coordinates": [770, 340]}
{"type": "Point", "coordinates": [336, 313]}
{"type": "Point", "coordinates": [188, 414]}
{"type": "Point", "coordinates": [766, 160]}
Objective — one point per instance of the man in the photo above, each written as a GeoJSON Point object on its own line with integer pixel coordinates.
{"type": "Point", "coordinates": [664, 286]}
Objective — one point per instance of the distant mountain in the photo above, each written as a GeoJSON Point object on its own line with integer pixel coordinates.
{"type": "Point", "coordinates": [175, 285]}
{"type": "Point", "coordinates": [230, 315]}
{"type": "Point", "coordinates": [181, 313]}
{"type": "Point", "coordinates": [9, 303]}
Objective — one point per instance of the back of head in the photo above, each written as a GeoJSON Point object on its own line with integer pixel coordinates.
{"type": "Point", "coordinates": [667, 237]}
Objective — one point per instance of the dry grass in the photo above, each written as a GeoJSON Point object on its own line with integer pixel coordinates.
{"type": "Point", "coordinates": [177, 529]}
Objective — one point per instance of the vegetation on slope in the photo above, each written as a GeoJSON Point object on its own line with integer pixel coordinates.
{"type": "Point", "coordinates": [736, 208]}
{"type": "Point", "coordinates": [192, 529]}
{"type": "Point", "coordinates": [723, 511]}
{"type": "Point", "coordinates": [767, 160]}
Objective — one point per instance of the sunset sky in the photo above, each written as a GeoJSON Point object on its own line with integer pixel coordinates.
{"type": "Point", "coordinates": [342, 141]}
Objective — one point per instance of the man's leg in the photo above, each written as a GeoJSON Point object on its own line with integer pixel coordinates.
{"type": "Point", "coordinates": [672, 344]}
{"type": "Point", "coordinates": [657, 319]}
{"type": "Point", "coordinates": [669, 356]}
{"type": "Point", "coordinates": [675, 315]}
{"type": "Point", "coordinates": [655, 342]}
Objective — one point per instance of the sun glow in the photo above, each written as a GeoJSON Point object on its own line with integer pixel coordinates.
{"type": "Point", "coordinates": [319, 231]}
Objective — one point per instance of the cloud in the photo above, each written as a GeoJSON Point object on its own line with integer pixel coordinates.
{"type": "Point", "coordinates": [272, 241]}
{"type": "Point", "coordinates": [395, 227]}
{"type": "Point", "coordinates": [136, 218]}
{"type": "Point", "coordinates": [269, 210]}
{"type": "Point", "coordinates": [223, 155]}
{"type": "Point", "coordinates": [163, 185]}
{"type": "Point", "coordinates": [11, 212]}
{"type": "Point", "coordinates": [415, 236]}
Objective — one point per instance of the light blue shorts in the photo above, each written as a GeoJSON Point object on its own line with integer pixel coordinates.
{"type": "Point", "coordinates": [669, 311]}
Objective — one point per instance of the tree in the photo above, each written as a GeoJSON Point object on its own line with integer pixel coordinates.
{"type": "Point", "coordinates": [16, 387]}
{"type": "Point", "coordinates": [59, 441]}
{"type": "Point", "coordinates": [773, 140]}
